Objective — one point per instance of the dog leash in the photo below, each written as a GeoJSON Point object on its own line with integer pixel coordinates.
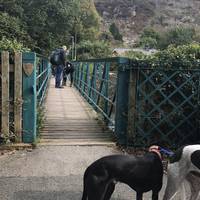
{"type": "Point", "coordinates": [166, 151]}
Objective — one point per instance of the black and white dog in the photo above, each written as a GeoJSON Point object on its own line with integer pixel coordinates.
{"type": "Point", "coordinates": [142, 174]}
{"type": "Point", "coordinates": [184, 166]}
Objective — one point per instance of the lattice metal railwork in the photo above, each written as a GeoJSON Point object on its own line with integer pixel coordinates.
{"type": "Point", "coordinates": [104, 84]}
{"type": "Point", "coordinates": [96, 81]}
{"type": "Point", "coordinates": [167, 107]}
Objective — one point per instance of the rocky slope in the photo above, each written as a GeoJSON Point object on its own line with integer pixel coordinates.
{"type": "Point", "coordinates": [131, 16]}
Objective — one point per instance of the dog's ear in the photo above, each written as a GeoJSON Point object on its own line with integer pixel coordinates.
{"type": "Point", "coordinates": [154, 147]}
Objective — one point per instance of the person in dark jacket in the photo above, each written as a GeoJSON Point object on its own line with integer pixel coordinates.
{"type": "Point", "coordinates": [59, 66]}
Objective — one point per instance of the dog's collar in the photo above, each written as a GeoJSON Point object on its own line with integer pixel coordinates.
{"type": "Point", "coordinates": [157, 151]}
{"type": "Point", "coordinates": [166, 152]}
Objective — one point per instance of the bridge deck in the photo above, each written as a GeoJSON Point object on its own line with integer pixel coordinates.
{"type": "Point", "coordinates": [70, 120]}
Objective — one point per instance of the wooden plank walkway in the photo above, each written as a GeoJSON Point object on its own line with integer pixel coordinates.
{"type": "Point", "coordinates": [70, 120]}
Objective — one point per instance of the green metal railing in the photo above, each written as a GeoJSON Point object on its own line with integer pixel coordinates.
{"type": "Point", "coordinates": [43, 74]}
{"type": "Point", "coordinates": [167, 107]}
{"type": "Point", "coordinates": [97, 81]}
{"type": "Point", "coordinates": [143, 105]}
{"type": "Point", "coordinates": [23, 86]}
{"type": "Point", "coordinates": [35, 86]}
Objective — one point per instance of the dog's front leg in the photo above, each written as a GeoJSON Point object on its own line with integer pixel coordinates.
{"type": "Point", "coordinates": [174, 181]}
{"type": "Point", "coordinates": [172, 187]}
{"type": "Point", "coordinates": [194, 183]}
{"type": "Point", "coordinates": [183, 192]}
{"type": "Point", "coordinates": [139, 196]}
{"type": "Point", "coordinates": [110, 189]}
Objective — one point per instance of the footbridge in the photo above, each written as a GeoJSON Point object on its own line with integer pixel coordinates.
{"type": "Point", "coordinates": [69, 120]}
{"type": "Point", "coordinates": [112, 100]}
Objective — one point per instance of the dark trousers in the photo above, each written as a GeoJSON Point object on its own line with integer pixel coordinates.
{"type": "Point", "coordinates": [58, 75]}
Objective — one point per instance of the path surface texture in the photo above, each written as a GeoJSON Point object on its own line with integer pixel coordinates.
{"type": "Point", "coordinates": [52, 173]}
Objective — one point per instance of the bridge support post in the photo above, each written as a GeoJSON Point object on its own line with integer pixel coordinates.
{"type": "Point", "coordinates": [122, 97]}
{"type": "Point", "coordinates": [29, 98]}
{"type": "Point", "coordinates": [132, 106]}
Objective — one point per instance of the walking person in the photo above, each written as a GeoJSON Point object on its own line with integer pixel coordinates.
{"type": "Point", "coordinates": [58, 59]}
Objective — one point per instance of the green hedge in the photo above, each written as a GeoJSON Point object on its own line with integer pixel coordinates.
{"type": "Point", "coordinates": [181, 57]}
{"type": "Point", "coordinates": [11, 45]}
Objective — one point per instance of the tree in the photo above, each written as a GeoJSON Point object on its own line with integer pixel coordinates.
{"type": "Point", "coordinates": [149, 38]}
{"type": "Point", "coordinates": [150, 33]}
{"type": "Point", "coordinates": [12, 28]}
{"type": "Point", "coordinates": [52, 22]}
{"type": "Point", "coordinates": [47, 24]}
{"type": "Point", "coordinates": [177, 36]}
{"type": "Point", "coordinates": [148, 42]}
{"type": "Point", "coordinates": [84, 20]}
{"type": "Point", "coordinates": [12, 45]}
{"type": "Point", "coordinates": [12, 7]}
{"type": "Point", "coordinates": [115, 32]}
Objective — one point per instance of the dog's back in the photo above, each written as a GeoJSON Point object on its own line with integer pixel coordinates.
{"type": "Point", "coordinates": [142, 173]}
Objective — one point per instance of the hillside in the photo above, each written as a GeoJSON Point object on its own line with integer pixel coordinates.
{"type": "Point", "coordinates": [131, 16]}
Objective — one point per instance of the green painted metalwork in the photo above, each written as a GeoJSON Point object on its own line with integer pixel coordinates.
{"type": "Point", "coordinates": [43, 75]}
{"type": "Point", "coordinates": [29, 100]}
{"type": "Point", "coordinates": [34, 90]}
{"type": "Point", "coordinates": [96, 80]}
{"type": "Point", "coordinates": [105, 86]}
{"type": "Point", "coordinates": [121, 118]}
{"type": "Point", "coordinates": [167, 107]}
{"type": "Point", "coordinates": [157, 105]}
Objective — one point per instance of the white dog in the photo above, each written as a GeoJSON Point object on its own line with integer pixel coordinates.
{"type": "Point", "coordinates": [184, 166]}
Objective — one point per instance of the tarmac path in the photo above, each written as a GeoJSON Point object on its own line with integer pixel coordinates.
{"type": "Point", "coordinates": [53, 173]}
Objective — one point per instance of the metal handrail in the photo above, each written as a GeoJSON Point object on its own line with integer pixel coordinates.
{"type": "Point", "coordinates": [96, 80]}
{"type": "Point", "coordinates": [42, 78]}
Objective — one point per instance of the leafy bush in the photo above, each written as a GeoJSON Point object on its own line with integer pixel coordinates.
{"type": "Point", "coordinates": [176, 36]}
{"type": "Point", "coordinates": [13, 29]}
{"type": "Point", "coordinates": [106, 36]}
{"type": "Point", "coordinates": [150, 33]}
{"type": "Point", "coordinates": [135, 55]}
{"type": "Point", "coordinates": [12, 45]}
{"type": "Point", "coordinates": [148, 42]}
{"type": "Point", "coordinates": [87, 50]}
{"type": "Point", "coordinates": [185, 56]}
{"type": "Point", "coordinates": [149, 38]}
